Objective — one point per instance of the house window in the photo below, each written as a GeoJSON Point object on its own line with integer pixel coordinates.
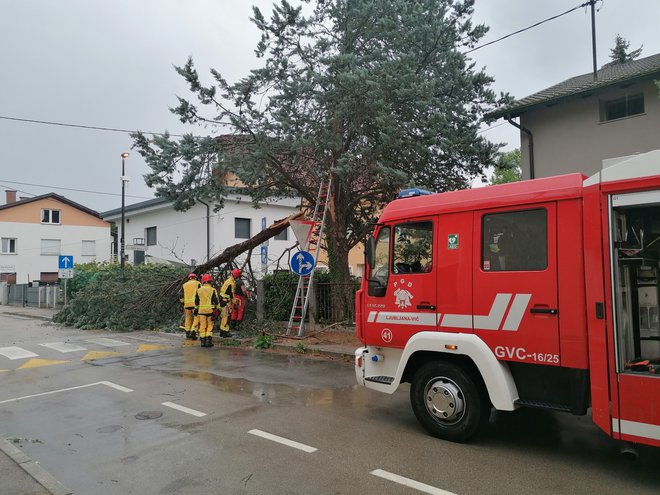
{"type": "Point", "coordinates": [282, 236]}
{"type": "Point", "coordinates": [621, 107]}
{"type": "Point", "coordinates": [50, 216]}
{"type": "Point", "coordinates": [242, 228]}
{"type": "Point", "coordinates": [515, 241]}
{"type": "Point", "coordinates": [51, 247]}
{"type": "Point", "coordinates": [8, 245]}
{"type": "Point", "coordinates": [88, 248]}
{"type": "Point", "coordinates": [150, 234]}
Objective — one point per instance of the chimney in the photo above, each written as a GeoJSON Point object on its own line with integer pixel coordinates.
{"type": "Point", "coordinates": [11, 196]}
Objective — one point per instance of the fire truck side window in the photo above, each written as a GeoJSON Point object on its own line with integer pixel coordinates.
{"type": "Point", "coordinates": [413, 247]}
{"type": "Point", "coordinates": [380, 272]}
{"type": "Point", "coordinates": [515, 241]}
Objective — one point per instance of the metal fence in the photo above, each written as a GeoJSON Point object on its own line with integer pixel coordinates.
{"type": "Point", "coordinates": [44, 296]}
{"type": "Point", "coordinates": [326, 311]}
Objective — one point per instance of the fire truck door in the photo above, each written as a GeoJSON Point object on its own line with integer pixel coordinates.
{"type": "Point", "coordinates": [635, 265]}
{"type": "Point", "coordinates": [401, 297]}
{"type": "Point", "coordinates": [515, 301]}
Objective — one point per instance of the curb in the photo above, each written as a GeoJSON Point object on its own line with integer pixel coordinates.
{"type": "Point", "coordinates": [32, 467]}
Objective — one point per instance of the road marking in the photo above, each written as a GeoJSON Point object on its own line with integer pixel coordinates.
{"type": "Point", "coordinates": [108, 384]}
{"type": "Point", "coordinates": [92, 355]}
{"type": "Point", "coordinates": [115, 386]}
{"type": "Point", "coordinates": [152, 347]}
{"type": "Point", "coordinates": [37, 363]}
{"type": "Point", "coordinates": [284, 441]}
{"type": "Point", "coordinates": [184, 409]}
{"type": "Point", "coordinates": [107, 342]}
{"type": "Point", "coordinates": [410, 483]}
{"type": "Point", "coordinates": [64, 347]}
{"type": "Point", "coordinates": [16, 353]}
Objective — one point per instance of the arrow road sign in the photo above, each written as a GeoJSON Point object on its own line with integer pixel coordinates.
{"type": "Point", "coordinates": [65, 262]}
{"type": "Point", "coordinates": [302, 263]}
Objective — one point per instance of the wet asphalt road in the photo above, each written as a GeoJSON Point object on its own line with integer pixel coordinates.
{"type": "Point", "coordinates": [142, 414]}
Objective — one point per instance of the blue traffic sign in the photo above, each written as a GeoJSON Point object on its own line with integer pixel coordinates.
{"type": "Point", "coordinates": [264, 255]}
{"type": "Point", "coordinates": [302, 263]}
{"type": "Point", "coordinates": [64, 262]}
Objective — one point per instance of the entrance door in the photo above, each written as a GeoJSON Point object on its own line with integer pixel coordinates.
{"type": "Point", "coordinates": [401, 298]}
{"type": "Point", "coordinates": [634, 226]}
{"type": "Point", "coordinates": [515, 302]}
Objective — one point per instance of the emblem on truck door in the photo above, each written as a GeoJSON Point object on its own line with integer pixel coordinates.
{"type": "Point", "coordinates": [402, 296]}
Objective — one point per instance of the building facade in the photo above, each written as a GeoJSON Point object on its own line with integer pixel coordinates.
{"type": "Point", "coordinates": [156, 233]}
{"type": "Point", "coordinates": [34, 232]}
{"type": "Point", "coordinates": [575, 125]}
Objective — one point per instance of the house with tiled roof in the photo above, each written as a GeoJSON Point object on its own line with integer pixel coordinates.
{"type": "Point", "coordinates": [574, 125]}
{"type": "Point", "coordinates": [35, 231]}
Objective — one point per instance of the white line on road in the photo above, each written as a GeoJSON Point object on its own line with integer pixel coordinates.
{"type": "Point", "coordinates": [64, 347]}
{"type": "Point", "coordinates": [109, 384]}
{"type": "Point", "coordinates": [184, 409]}
{"type": "Point", "coordinates": [284, 441]}
{"type": "Point", "coordinates": [115, 386]}
{"type": "Point", "coordinates": [107, 342]}
{"type": "Point", "coordinates": [16, 353]}
{"type": "Point", "coordinates": [410, 483]}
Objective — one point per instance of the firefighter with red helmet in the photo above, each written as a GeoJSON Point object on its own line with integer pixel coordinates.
{"type": "Point", "coordinates": [206, 307]}
{"type": "Point", "coordinates": [188, 291]}
{"type": "Point", "coordinates": [227, 293]}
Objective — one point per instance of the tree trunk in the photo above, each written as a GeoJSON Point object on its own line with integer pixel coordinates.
{"type": "Point", "coordinates": [340, 277]}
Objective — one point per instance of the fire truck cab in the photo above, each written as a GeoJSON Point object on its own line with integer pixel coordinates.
{"type": "Point", "coordinates": [540, 293]}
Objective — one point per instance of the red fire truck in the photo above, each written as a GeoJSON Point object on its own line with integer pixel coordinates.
{"type": "Point", "coordinates": [540, 293]}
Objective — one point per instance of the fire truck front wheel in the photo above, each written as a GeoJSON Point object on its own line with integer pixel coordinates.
{"type": "Point", "coordinates": [448, 402]}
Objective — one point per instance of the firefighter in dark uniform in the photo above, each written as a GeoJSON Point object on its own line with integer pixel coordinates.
{"type": "Point", "coordinates": [206, 307]}
{"type": "Point", "coordinates": [188, 291]}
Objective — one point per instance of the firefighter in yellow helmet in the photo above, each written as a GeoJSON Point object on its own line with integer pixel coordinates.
{"type": "Point", "coordinates": [206, 307]}
{"type": "Point", "coordinates": [188, 291]}
{"type": "Point", "coordinates": [227, 293]}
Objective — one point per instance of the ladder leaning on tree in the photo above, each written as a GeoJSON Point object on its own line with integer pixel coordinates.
{"type": "Point", "coordinates": [312, 245]}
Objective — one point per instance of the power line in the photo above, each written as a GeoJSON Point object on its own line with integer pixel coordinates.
{"type": "Point", "coordinates": [67, 189]}
{"type": "Point", "coordinates": [585, 4]}
{"type": "Point", "coordinates": [80, 126]}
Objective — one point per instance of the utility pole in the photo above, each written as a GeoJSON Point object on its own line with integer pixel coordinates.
{"type": "Point", "coordinates": [592, 4]}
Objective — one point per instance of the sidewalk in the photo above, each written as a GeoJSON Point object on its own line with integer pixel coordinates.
{"type": "Point", "coordinates": [29, 312]}
{"type": "Point", "coordinates": [22, 475]}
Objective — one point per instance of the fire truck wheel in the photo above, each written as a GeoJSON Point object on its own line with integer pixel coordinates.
{"type": "Point", "coordinates": [448, 402]}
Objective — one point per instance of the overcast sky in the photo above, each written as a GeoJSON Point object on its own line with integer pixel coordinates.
{"type": "Point", "coordinates": [109, 63]}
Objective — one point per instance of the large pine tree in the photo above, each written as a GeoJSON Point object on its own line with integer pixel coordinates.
{"type": "Point", "coordinates": [376, 93]}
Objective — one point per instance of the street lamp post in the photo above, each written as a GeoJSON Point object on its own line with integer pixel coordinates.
{"type": "Point", "coordinates": [123, 190]}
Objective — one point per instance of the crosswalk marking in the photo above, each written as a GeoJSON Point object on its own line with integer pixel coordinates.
{"type": "Point", "coordinates": [107, 342]}
{"type": "Point", "coordinates": [92, 355]}
{"type": "Point", "coordinates": [152, 347]}
{"type": "Point", "coordinates": [64, 347]}
{"type": "Point", "coordinates": [16, 353]}
{"type": "Point", "coordinates": [38, 363]}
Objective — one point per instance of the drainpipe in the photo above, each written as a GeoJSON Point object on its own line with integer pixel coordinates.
{"type": "Point", "coordinates": [208, 229]}
{"type": "Point", "coordinates": [531, 144]}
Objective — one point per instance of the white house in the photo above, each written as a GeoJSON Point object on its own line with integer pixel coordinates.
{"type": "Point", "coordinates": [156, 232]}
{"type": "Point", "coordinates": [35, 231]}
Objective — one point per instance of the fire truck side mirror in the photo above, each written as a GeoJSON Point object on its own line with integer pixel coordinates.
{"type": "Point", "coordinates": [370, 251]}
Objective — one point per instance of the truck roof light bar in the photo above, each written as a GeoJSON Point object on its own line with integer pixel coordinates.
{"type": "Point", "coordinates": [412, 192]}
